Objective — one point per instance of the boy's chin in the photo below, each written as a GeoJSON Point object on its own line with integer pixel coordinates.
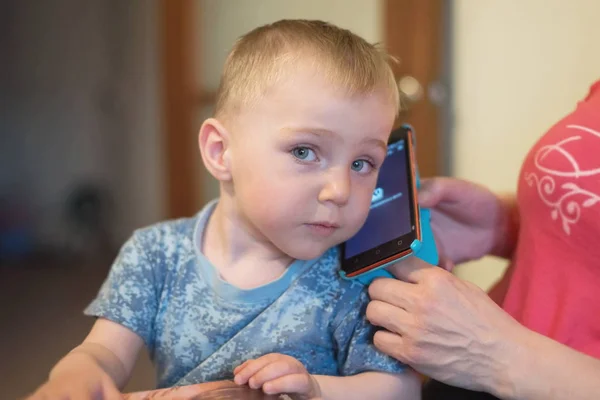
{"type": "Point", "coordinates": [305, 251]}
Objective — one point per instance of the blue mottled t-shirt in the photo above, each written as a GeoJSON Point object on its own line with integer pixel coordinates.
{"type": "Point", "coordinates": [198, 328]}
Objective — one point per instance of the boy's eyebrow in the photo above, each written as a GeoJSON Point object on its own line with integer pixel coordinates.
{"type": "Point", "coordinates": [320, 132]}
{"type": "Point", "coordinates": [379, 143]}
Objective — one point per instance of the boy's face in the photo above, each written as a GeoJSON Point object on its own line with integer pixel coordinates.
{"type": "Point", "coordinates": [304, 163]}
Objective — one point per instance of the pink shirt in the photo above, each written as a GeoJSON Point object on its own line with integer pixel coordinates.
{"type": "Point", "coordinates": [555, 286]}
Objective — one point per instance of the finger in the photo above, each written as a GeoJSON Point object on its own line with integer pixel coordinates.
{"type": "Point", "coordinates": [243, 372]}
{"type": "Point", "coordinates": [47, 392]}
{"type": "Point", "coordinates": [411, 269]}
{"type": "Point", "coordinates": [273, 371]}
{"type": "Point", "coordinates": [252, 367]}
{"type": "Point", "coordinates": [434, 191]}
{"type": "Point", "coordinates": [38, 394]}
{"type": "Point", "coordinates": [390, 344]}
{"type": "Point", "coordinates": [387, 316]}
{"type": "Point", "coordinates": [426, 194]}
{"type": "Point", "coordinates": [430, 192]}
{"type": "Point", "coordinates": [393, 291]}
{"type": "Point", "coordinates": [110, 392]}
{"type": "Point", "coordinates": [240, 367]}
{"type": "Point", "coordinates": [295, 383]}
{"type": "Point", "coordinates": [76, 391]}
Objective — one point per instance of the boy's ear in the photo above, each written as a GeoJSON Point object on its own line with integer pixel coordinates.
{"type": "Point", "coordinates": [213, 141]}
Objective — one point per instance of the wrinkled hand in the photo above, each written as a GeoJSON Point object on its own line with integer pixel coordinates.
{"type": "Point", "coordinates": [443, 327]}
{"type": "Point", "coordinates": [278, 373]}
{"type": "Point", "coordinates": [467, 211]}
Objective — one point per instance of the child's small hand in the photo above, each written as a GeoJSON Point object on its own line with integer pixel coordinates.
{"type": "Point", "coordinates": [278, 373]}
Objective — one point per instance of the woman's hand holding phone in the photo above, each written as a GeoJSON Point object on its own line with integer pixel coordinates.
{"type": "Point", "coordinates": [468, 220]}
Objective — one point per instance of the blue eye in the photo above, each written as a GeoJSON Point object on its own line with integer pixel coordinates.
{"type": "Point", "coordinates": [358, 165]}
{"type": "Point", "coordinates": [304, 154]}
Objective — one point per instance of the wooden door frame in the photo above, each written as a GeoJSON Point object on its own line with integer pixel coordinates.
{"type": "Point", "coordinates": [414, 32]}
{"type": "Point", "coordinates": [178, 18]}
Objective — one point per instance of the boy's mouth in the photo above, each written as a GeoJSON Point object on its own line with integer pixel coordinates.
{"type": "Point", "coordinates": [323, 228]}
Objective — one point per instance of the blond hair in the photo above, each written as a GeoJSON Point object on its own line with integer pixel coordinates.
{"type": "Point", "coordinates": [260, 58]}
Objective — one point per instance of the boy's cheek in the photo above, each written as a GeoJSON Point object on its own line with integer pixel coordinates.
{"type": "Point", "coordinates": [360, 213]}
{"type": "Point", "coordinates": [356, 222]}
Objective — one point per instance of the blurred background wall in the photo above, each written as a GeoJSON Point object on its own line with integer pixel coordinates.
{"type": "Point", "coordinates": [80, 106]}
{"type": "Point", "coordinates": [86, 133]}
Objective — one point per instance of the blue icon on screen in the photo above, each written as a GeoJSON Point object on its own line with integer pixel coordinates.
{"type": "Point", "coordinates": [377, 195]}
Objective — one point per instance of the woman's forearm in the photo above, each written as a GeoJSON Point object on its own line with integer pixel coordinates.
{"type": "Point", "coordinates": [370, 385]}
{"type": "Point", "coordinates": [543, 369]}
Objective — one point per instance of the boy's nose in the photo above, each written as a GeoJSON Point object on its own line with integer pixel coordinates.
{"type": "Point", "coordinates": [336, 188]}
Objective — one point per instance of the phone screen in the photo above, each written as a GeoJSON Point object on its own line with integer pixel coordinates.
{"type": "Point", "coordinates": [390, 213]}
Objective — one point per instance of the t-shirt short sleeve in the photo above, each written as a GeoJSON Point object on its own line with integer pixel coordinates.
{"type": "Point", "coordinates": [128, 296]}
{"type": "Point", "coordinates": [354, 338]}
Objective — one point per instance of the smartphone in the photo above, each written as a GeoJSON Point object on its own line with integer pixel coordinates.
{"type": "Point", "coordinates": [393, 222]}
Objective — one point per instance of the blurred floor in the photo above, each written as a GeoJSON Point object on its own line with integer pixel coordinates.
{"type": "Point", "coordinates": [41, 319]}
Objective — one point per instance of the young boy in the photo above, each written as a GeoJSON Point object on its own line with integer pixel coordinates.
{"type": "Point", "coordinates": [249, 288]}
